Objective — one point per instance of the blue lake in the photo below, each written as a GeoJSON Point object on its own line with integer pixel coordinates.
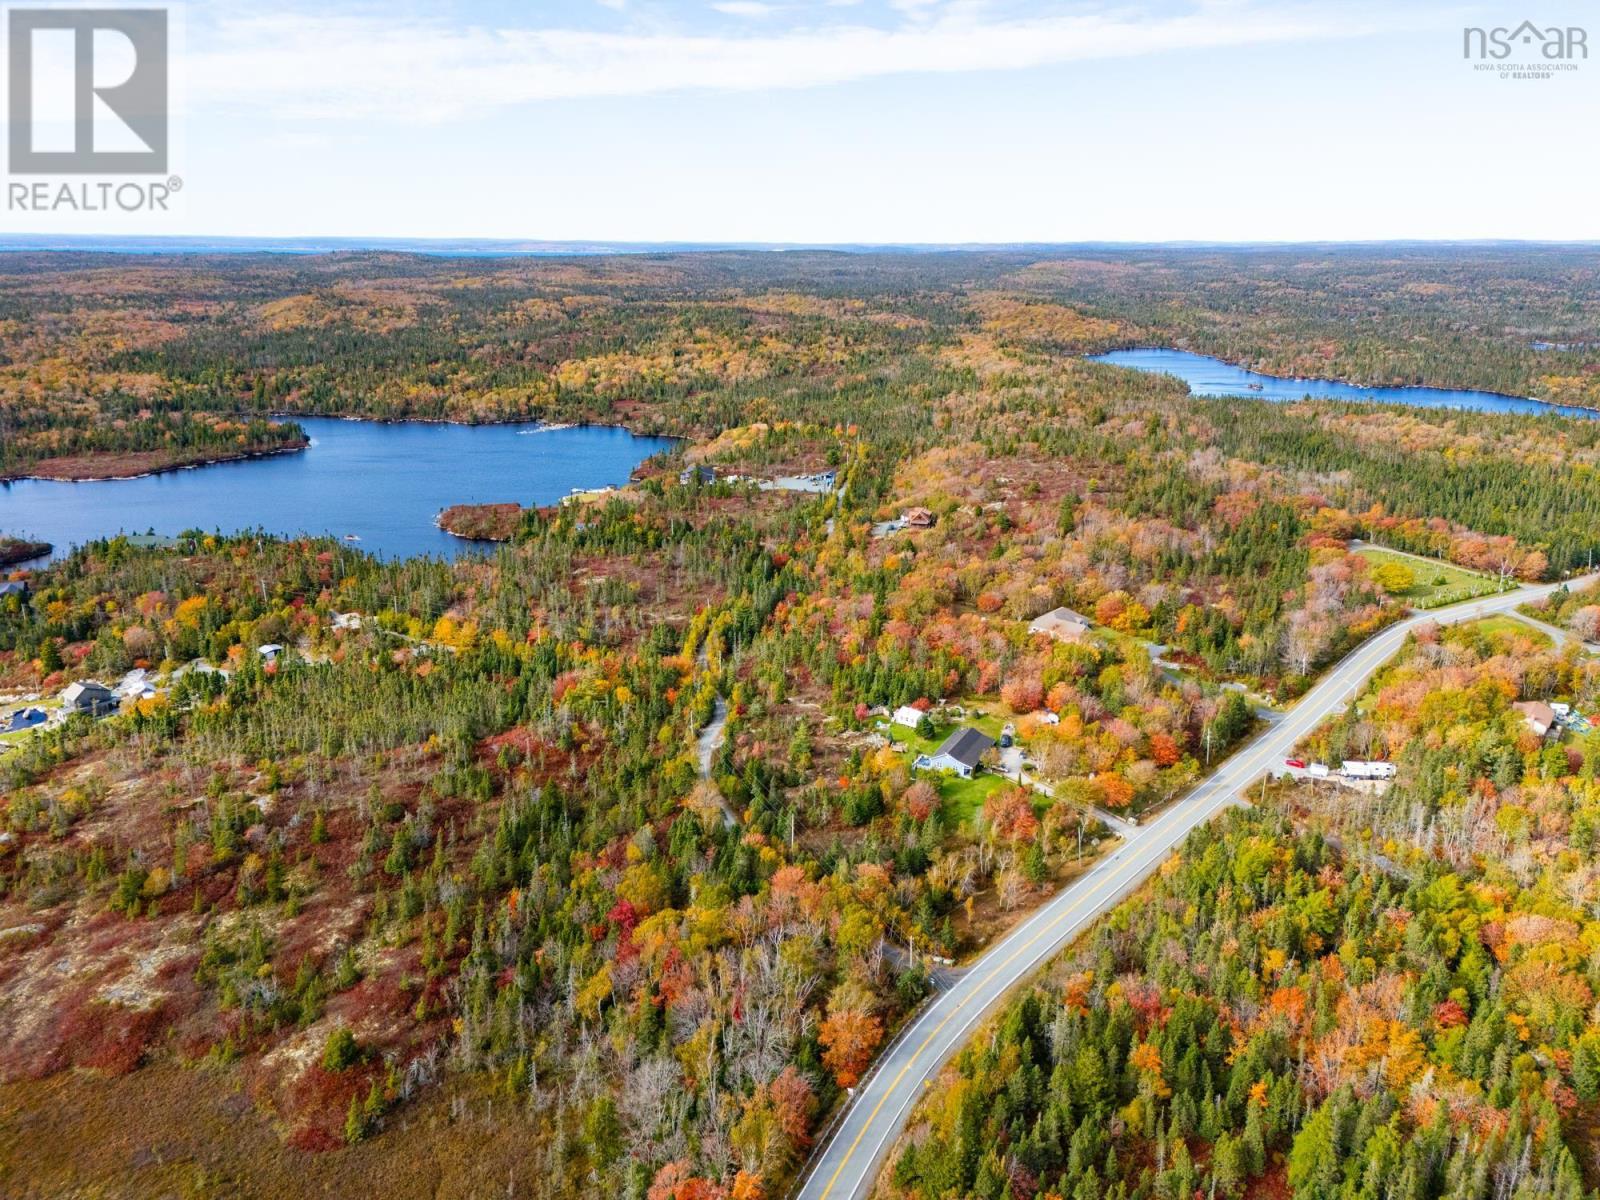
{"type": "Point", "coordinates": [1212, 377]}
{"type": "Point", "coordinates": [384, 483]}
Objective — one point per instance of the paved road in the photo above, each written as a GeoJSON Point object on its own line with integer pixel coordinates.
{"type": "Point", "coordinates": [845, 1167]}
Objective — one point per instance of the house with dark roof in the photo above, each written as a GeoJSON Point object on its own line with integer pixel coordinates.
{"type": "Point", "coordinates": [88, 696]}
{"type": "Point", "coordinates": [961, 752]}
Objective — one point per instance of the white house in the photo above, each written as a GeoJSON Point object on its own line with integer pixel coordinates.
{"type": "Point", "coordinates": [270, 651]}
{"type": "Point", "coordinates": [960, 752]}
{"type": "Point", "coordinates": [135, 685]}
{"type": "Point", "coordinates": [907, 715]}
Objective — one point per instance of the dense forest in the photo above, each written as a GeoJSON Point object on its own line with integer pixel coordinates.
{"type": "Point", "coordinates": [1396, 1000]}
{"type": "Point", "coordinates": [117, 355]}
{"type": "Point", "coordinates": [1271, 1019]}
{"type": "Point", "coordinates": [477, 838]}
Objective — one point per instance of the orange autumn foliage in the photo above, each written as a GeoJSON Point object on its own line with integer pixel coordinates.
{"type": "Point", "coordinates": [849, 1039]}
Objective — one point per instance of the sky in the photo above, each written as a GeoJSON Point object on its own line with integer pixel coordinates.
{"type": "Point", "coordinates": [868, 121]}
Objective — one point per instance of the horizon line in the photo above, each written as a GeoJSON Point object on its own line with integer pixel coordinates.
{"type": "Point", "coordinates": [447, 246]}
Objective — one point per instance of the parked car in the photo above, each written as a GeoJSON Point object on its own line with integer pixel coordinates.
{"type": "Point", "coordinates": [1298, 764]}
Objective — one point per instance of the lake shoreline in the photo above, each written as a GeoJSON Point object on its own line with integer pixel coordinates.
{"type": "Point", "coordinates": [383, 484]}
{"type": "Point", "coordinates": [1555, 407]}
{"type": "Point", "coordinates": [495, 523]}
{"type": "Point", "coordinates": [541, 425]}
{"type": "Point", "coordinates": [15, 551]}
{"type": "Point", "coordinates": [145, 471]}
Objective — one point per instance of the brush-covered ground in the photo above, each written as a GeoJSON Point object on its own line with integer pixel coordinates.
{"type": "Point", "coordinates": [454, 867]}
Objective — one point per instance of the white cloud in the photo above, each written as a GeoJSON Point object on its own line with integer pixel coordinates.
{"type": "Point", "coordinates": [746, 8]}
{"type": "Point", "coordinates": [330, 67]}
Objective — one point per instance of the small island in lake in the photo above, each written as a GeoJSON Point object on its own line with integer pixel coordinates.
{"type": "Point", "coordinates": [482, 522]}
{"type": "Point", "coordinates": [17, 550]}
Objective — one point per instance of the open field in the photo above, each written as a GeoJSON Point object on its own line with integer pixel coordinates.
{"type": "Point", "coordinates": [1507, 624]}
{"type": "Point", "coordinates": [1437, 583]}
{"type": "Point", "coordinates": [963, 798]}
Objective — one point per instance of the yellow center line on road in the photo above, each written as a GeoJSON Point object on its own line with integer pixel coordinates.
{"type": "Point", "coordinates": [1111, 878]}
{"type": "Point", "coordinates": [1270, 743]}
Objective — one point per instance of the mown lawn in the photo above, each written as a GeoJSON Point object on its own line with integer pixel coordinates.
{"type": "Point", "coordinates": [963, 798]}
{"type": "Point", "coordinates": [1437, 583]}
{"type": "Point", "coordinates": [989, 723]}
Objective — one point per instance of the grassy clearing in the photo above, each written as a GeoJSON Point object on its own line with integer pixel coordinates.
{"type": "Point", "coordinates": [913, 740]}
{"type": "Point", "coordinates": [963, 798]}
{"type": "Point", "coordinates": [191, 1132]}
{"type": "Point", "coordinates": [988, 722]}
{"type": "Point", "coordinates": [1502, 624]}
{"type": "Point", "coordinates": [1437, 583]}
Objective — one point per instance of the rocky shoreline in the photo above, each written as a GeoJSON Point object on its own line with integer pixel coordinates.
{"type": "Point", "coordinates": [481, 522]}
{"type": "Point", "coordinates": [17, 550]}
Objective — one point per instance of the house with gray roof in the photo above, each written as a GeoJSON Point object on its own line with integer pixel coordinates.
{"type": "Point", "coordinates": [89, 696]}
{"type": "Point", "coordinates": [961, 752]}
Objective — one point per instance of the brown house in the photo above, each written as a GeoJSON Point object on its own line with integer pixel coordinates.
{"type": "Point", "coordinates": [918, 518]}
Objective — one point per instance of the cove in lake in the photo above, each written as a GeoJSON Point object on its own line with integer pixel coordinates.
{"type": "Point", "coordinates": [385, 483]}
{"type": "Point", "coordinates": [1213, 377]}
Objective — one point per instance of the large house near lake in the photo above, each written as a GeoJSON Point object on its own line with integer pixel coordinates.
{"type": "Point", "coordinates": [89, 696]}
{"type": "Point", "coordinates": [961, 752]}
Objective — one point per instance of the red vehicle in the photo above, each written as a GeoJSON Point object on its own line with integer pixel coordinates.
{"type": "Point", "coordinates": [1297, 763]}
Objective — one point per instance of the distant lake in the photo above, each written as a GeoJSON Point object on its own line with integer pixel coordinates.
{"type": "Point", "coordinates": [384, 483]}
{"type": "Point", "coordinates": [1212, 377]}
